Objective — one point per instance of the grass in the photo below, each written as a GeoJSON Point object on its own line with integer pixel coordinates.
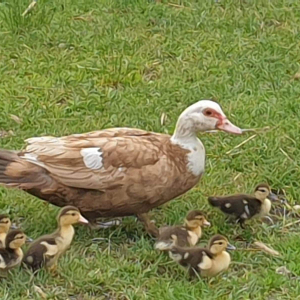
{"type": "Point", "coordinates": [81, 65]}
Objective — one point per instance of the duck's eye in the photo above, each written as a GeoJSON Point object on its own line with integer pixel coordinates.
{"type": "Point", "coordinates": [208, 113]}
{"type": "Point", "coordinates": [220, 243]}
{"type": "Point", "coordinates": [73, 214]}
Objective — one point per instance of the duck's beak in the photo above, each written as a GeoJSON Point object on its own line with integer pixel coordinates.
{"type": "Point", "coordinates": [83, 220]}
{"type": "Point", "coordinates": [273, 197]}
{"type": "Point", "coordinates": [206, 223]}
{"type": "Point", "coordinates": [230, 247]}
{"type": "Point", "coordinates": [28, 239]}
{"type": "Point", "coordinates": [227, 126]}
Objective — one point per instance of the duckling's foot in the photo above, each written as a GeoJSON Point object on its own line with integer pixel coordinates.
{"type": "Point", "coordinates": [149, 224]}
{"type": "Point", "coordinates": [98, 224]}
{"type": "Point", "coordinates": [3, 274]}
{"type": "Point", "coordinates": [241, 222]}
{"type": "Point", "coordinates": [269, 219]}
{"type": "Point", "coordinates": [53, 270]}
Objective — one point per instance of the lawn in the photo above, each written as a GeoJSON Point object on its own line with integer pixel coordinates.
{"type": "Point", "coordinates": [74, 66]}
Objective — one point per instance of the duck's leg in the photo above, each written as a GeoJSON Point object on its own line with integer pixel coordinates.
{"type": "Point", "coordinates": [149, 224]}
{"type": "Point", "coordinates": [99, 224]}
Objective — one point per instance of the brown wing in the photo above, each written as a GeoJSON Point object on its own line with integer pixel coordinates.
{"type": "Point", "coordinates": [96, 160]}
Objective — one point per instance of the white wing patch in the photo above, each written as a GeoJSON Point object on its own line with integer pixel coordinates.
{"type": "Point", "coordinates": [92, 158]}
{"type": "Point", "coordinates": [175, 256]}
{"type": "Point", "coordinates": [227, 205]}
{"type": "Point", "coordinates": [2, 263]}
{"type": "Point", "coordinates": [247, 210]}
{"type": "Point", "coordinates": [244, 216]}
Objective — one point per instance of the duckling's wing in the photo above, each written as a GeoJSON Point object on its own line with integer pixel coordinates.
{"type": "Point", "coordinates": [170, 236]}
{"type": "Point", "coordinates": [7, 258]}
{"type": "Point", "coordinates": [52, 249]}
{"type": "Point", "coordinates": [235, 204]}
{"type": "Point", "coordinates": [178, 233]}
{"type": "Point", "coordinates": [2, 262]}
{"type": "Point", "coordinates": [36, 255]}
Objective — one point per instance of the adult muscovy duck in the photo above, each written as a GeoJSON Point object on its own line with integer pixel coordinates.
{"type": "Point", "coordinates": [116, 172]}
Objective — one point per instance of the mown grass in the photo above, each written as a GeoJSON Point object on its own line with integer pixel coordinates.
{"type": "Point", "coordinates": [81, 65]}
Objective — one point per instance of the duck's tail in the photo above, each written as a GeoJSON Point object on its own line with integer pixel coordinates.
{"type": "Point", "coordinates": [17, 172]}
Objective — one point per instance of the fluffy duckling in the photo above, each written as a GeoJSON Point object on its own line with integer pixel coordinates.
{"type": "Point", "coordinates": [206, 262]}
{"type": "Point", "coordinates": [46, 250]}
{"type": "Point", "coordinates": [186, 235]}
{"type": "Point", "coordinates": [11, 256]}
{"type": "Point", "coordinates": [5, 225]}
{"type": "Point", "coordinates": [244, 207]}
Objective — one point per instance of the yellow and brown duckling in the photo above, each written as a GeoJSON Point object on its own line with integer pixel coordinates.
{"type": "Point", "coordinates": [243, 206]}
{"type": "Point", "coordinates": [186, 235]}
{"type": "Point", "coordinates": [11, 256]}
{"type": "Point", "coordinates": [5, 225]}
{"type": "Point", "coordinates": [206, 262]}
{"type": "Point", "coordinates": [46, 250]}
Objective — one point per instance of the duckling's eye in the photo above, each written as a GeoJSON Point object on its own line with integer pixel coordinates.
{"type": "Point", "coordinates": [73, 214]}
{"type": "Point", "coordinates": [220, 243]}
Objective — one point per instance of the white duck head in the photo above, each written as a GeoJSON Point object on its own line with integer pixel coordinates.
{"type": "Point", "coordinates": [204, 115]}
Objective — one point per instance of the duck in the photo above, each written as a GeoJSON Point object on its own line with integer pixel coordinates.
{"type": "Point", "coordinates": [46, 250]}
{"type": "Point", "coordinates": [5, 224]}
{"type": "Point", "coordinates": [207, 262]}
{"type": "Point", "coordinates": [11, 256]}
{"type": "Point", "coordinates": [244, 207]}
{"type": "Point", "coordinates": [116, 172]}
{"type": "Point", "coordinates": [183, 236]}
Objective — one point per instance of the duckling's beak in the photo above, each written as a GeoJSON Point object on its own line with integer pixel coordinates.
{"type": "Point", "coordinates": [206, 223]}
{"type": "Point", "coordinates": [227, 126]}
{"type": "Point", "coordinates": [273, 197]}
{"type": "Point", "coordinates": [83, 220]}
{"type": "Point", "coordinates": [13, 226]}
{"type": "Point", "coordinates": [230, 247]}
{"type": "Point", "coordinates": [283, 201]}
{"type": "Point", "coordinates": [28, 239]}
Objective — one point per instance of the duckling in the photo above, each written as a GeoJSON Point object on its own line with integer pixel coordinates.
{"type": "Point", "coordinates": [245, 207]}
{"type": "Point", "coordinates": [206, 262]}
{"type": "Point", "coordinates": [5, 225]}
{"type": "Point", "coordinates": [186, 235]}
{"type": "Point", "coordinates": [11, 256]}
{"type": "Point", "coordinates": [46, 250]}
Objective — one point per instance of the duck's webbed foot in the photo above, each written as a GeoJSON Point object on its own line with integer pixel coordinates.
{"type": "Point", "coordinates": [149, 224]}
{"type": "Point", "coordinates": [100, 224]}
